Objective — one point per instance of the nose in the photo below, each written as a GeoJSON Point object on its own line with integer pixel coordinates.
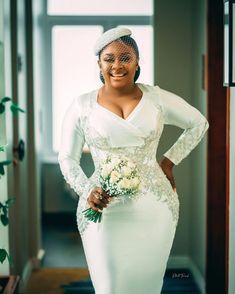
{"type": "Point", "coordinates": [117, 64]}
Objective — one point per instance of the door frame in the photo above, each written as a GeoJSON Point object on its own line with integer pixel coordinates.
{"type": "Point", "coordinates": [217, 156]}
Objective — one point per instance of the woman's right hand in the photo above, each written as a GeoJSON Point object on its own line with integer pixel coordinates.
{"type": "Point", "coordinates": [98, 199]}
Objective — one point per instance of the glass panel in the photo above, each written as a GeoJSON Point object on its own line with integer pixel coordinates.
{"type": "Point", "coordinates": [100, 7]}
{"type": "Point", "coordinates": [226, 43]}
{"type": "Point", "coordinates": [74, 69]}
{"type": "Point", "coordinates": [143, 36]}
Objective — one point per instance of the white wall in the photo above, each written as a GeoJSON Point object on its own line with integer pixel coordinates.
{"type": "Point", "coordinates": [180, 43]}
{"type": "Point", "coordinates": [198, 159]}
{"type": "Point", "coordinates": [174, 72]}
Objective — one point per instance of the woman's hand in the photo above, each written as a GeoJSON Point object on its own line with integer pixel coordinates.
{"type": "Point", "coordinates": [98, 199]}
{"type": "Point", "coordinates": [167, 167]}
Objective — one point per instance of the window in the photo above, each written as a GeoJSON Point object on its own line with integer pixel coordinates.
{"type": "Point", "coordinates": [74, 69]}
{"type": "Point", "coordinates": [71, 29]}
{"type": "Point", "coordinates": [100, 7]}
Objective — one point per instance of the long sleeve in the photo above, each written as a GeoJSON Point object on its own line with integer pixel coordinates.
{"type": "Point", "coordinates": [72, 142]}
{"type": "Point", "coordinates": [179, 113]}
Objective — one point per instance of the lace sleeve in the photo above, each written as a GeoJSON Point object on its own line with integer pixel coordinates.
{"type": "Point", "coordinates": [181, 114]}
{"type": "Point", "coordinates": [72, 142]}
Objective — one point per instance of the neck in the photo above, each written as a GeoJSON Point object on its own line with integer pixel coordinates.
{"type": "Point", "coordinates": [118, 92]}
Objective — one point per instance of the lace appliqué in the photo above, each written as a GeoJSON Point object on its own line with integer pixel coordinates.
{"type": "Point", "coordinates": [74, 176]}
{"type": "Point", "coordinates": [186, 143]}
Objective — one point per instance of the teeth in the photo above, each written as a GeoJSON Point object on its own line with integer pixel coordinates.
{"type": "Point", "coordinates": [120, 75]}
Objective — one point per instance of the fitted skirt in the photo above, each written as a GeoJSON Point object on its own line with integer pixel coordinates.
{"type": "Point", "coordinates": [128, 251]}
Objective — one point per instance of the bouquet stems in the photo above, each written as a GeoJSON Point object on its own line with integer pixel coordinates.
{"type": "Point", "coordinates": [93, 215]}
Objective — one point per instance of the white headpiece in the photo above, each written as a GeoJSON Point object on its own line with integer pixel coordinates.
{"type": "Point", "coordinates": [110, 36]}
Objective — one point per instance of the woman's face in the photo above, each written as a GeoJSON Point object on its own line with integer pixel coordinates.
{"type": "Point", "coordinates": [118, 64]}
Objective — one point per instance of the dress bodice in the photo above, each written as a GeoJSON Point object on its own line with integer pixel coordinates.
{"type": "Point", "coordinates": [136, 137]}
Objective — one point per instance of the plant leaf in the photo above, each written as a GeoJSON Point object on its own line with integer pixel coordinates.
{"type": "Point", "coordinates": [4, 219]}
{"type": "Point", "coordinates": [5, 162]}
{"type": "Point", "coordinates": [10, 260]}
{"type": "Point", "coordinates": [15, 108]}
{"type": "Point", "coordinates": [2, 107]}
{"type": "Point", "coordinates": [2, 163]}
{"type": "Point", "coordinates": [3, 255]}
{"type": "Point", "coordinates": [9, 201]}
{"type": "Point", "coordinates": [5, 99]}
{"type": "Point", "coordinates": [2, 172]}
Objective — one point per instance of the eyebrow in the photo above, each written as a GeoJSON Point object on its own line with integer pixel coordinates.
{"type": "Point", "coordinates": [111, 54]}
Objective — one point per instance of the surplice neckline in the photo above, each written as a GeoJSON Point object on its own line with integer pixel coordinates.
{"type": "Point", "coordinates": [116, 115]}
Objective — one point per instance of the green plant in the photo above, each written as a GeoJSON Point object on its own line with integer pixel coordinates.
{"type": "Point", "coordinates": [14, 107]}
{"type": "Point", "coordinates": [4, 207]}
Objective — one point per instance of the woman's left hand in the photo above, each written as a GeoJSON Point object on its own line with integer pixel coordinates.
{"type": "Point", "coordinates": [167, 167]}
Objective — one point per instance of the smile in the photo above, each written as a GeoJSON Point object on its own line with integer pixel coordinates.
{"type": "Point", "coordinates": [118, 75]}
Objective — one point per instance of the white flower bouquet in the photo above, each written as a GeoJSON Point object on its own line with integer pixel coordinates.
{"type": "Point", "coordinates": [119, 178]}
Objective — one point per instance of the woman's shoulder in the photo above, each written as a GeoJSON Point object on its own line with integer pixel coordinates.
{"type": "Point", "coordinates": [146, 88]}
{"type": "Point", "coordinates": [153, 92]}
{"type": "Point", "coordinates": [82, 102]}
{"type": "Point", "coordinates": [84, 99]}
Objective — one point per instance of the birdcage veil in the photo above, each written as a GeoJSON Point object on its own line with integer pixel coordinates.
{"type": "Point", "coordinates": [121, 36]}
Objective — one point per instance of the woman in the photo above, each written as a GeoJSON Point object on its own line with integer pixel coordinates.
{"type": "Point", "coordinates": [127, 251]}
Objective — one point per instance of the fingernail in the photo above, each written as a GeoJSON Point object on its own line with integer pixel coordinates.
{"type": "Point", "coordinates": [99, 210]}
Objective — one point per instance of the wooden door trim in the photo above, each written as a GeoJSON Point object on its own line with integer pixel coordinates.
{"type": "Point", "coordinates": [218, 156]}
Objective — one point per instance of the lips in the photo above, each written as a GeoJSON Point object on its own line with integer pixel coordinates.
{"type": "Point", "coordinates": [117, 75]}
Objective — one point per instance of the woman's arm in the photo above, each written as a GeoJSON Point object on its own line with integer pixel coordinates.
{"type": "Point", "coordinates": [72, 142]}
{"type": "Point", "coordinates": [181, 114]}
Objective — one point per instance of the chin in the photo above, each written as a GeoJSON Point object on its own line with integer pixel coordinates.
{"type": "Point", "coordinates": [120, 83]}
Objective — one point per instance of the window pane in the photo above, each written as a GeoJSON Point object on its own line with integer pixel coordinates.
{"type": "Point", "coordinates": [74, 69]}
{"type": "Point", "coordinates": [143, 36]}
{"type": "Point", "coordinates": [100, 7]}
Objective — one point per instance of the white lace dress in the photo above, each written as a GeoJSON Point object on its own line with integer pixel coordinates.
{"type": "Point", "coordinates": [128, 251]}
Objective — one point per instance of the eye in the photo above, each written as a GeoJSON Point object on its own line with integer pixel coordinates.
{"type": "Point", "coordinates": [109, 60]}
{"type": "Point", "coordinates": [125, 58]}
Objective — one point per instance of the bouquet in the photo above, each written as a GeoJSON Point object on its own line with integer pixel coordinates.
{"type": "Point", "coordinates": [119, 178]}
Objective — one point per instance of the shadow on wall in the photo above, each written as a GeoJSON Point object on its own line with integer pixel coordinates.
{"type": "Point", "coordinates": [57, 196]}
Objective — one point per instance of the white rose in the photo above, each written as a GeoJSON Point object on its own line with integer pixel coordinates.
{"type": "Point", "coordinates": [131, 165]}
{"type": "Point", "coordinates": [114, 176]}
{"type": "Point", "coordinates": [124, 184]}
{"type": "Point", "coordinates": [135, 182]}
{"type": "Point", "coordinates": [126, 171]}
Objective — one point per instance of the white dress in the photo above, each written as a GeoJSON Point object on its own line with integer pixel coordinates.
{"type": "Point", "coordinates": [128, 251]}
